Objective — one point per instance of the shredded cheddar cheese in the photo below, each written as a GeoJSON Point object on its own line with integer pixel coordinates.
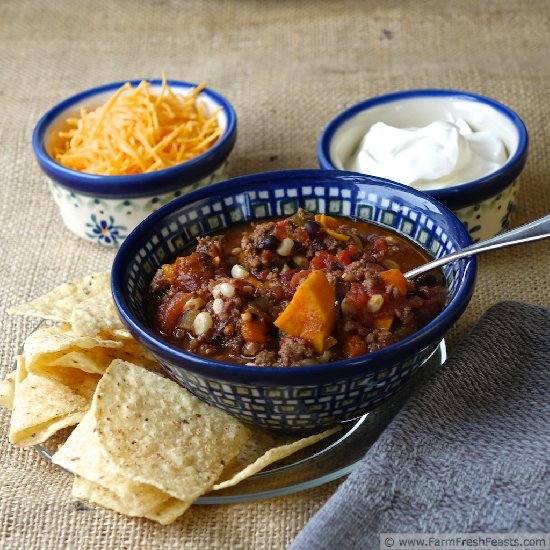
{"type": "Point", "coordinates": [136, 131]}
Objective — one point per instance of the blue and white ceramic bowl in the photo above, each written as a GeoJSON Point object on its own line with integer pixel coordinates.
{"type": "Point", "coordinates": [104, 209]}
{"type": "Point", "coordinates": [305, 397]}
{"type": "Point", "coordinates": [484, 205]}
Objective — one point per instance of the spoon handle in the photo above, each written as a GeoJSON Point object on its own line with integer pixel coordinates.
{"type": "Point", "coordinates": [533, 231]}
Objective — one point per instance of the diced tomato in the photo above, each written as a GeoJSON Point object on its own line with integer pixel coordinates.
{"type": "Point", "coordinates": [287, 276]}
{"type": "Point", "coordinates": [277, 291]}
{"type": "Point", "coordinates": [267, 256]}
{"type": "Point", "coordinates": [299, 277]}
{"type": "Point", "coordinates": [282, 229]}
{"type": "Point", "coordinates": [357, 296]}
{"type": "Point", "coordinates": [300, 235]}
{"type": "Point", "coordinates": [380, 247]}
{"type": "Point", "coordinates": [321, 260]}
{"type": "Point", "coordinates": [354, 346]}
{"type": "Point", "coordinates": [345, 257]}
{"type": "Point", "coordinates": [285, 289]}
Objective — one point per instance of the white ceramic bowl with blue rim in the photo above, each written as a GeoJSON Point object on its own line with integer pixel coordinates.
{"type": "Point", "coordinates": [485, 204]}
{"type": "Point", "coordinates": [305, 397]}
{"type": "Point", "coordinates": [104, 209]}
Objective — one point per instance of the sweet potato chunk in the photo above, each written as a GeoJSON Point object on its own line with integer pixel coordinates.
{"type": "Point", "coordinates": [170, 311]}
{"type": "Point", "coordinates": [383, 322]}
{"type": "Point", "coordinates": [254, 331]}
{"type": "Point", "coordinates": [311, 313]}
{"type": "Point", "coordinates": [396, 278]}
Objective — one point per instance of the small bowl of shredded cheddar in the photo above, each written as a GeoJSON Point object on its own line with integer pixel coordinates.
{"type": "Point", "coordinates": [116, 153]}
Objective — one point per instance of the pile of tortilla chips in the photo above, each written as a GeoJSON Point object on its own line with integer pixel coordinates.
{"type": "Point", "coordinates": [143, 445]}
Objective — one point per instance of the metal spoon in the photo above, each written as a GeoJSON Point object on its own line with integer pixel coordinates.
{"type": "Point", "coordinates": [532, 231]}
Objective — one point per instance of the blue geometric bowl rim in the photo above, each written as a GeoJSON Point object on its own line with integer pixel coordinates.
{"type": "Point", "coordinates": [135, 184]}
{"type": "Point", "coordinates": [456, 196]}
{"type": "Point", "coordinates": [432, 333]}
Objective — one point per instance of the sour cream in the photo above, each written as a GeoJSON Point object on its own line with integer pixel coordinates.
{"type": "Point", "coordinates": [438, 155]}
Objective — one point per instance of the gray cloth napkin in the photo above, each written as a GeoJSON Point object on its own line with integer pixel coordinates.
{"type": "Point", "coordinates": [466, 454]}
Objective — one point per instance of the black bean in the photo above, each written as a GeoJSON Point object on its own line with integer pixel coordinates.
{"type": "Point", "coordinates": [312, 228]}
{"type": "Point", "coordinates": [429, 279]}
{"type": "Point", "coordinates": [270, 242]}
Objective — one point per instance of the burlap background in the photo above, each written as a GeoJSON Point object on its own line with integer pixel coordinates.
{"type": "Point", "coordinates": [288, 67]}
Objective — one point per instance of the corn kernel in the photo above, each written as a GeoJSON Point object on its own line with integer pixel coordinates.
{"type": "Point", "coordinates": [285, 248]}
{"type": "Point", "coordinates": [203, 322]}
{"type": "Point", "coordinates": [376, 301]}
{"type": "Point", "coordinates": [239, 272]}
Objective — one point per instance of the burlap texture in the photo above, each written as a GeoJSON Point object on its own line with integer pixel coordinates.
{"type": "Point", "coordinates": [287, 67]}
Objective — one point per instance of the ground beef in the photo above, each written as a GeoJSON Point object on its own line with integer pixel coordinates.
{"type": "Point", "coordinates": [210, 246]}
{"type": "Point", "coordinates": [159, 283]}
{"type": "Point", "coordinates": [292, 351]}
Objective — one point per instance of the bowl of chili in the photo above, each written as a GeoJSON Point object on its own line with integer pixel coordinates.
{"type": "Point", "coordinates": [279, 296]}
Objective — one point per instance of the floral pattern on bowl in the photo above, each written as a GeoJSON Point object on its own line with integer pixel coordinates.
{"type": "Point", "coordinates": [491, 216]}
{"type": "Point", "coordinates": [108, 221]}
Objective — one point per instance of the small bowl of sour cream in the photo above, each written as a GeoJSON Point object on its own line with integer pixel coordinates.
{"type": "Point", "coordinates": [464, 149]}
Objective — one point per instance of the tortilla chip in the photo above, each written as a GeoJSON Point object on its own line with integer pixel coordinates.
{"type": "Point", "coordinates": [76, 380]}
{"type": "Point", "coordinates": [133, 352]}
{"type": "Point", "coordinates": [261, 440]}
{"type": "Point", "coordinates": [59, 347]}
{"type": "Point", "coordinates": [271, 456]}
{"type": "Point", "coordinates": [83, 455]}
{"type": "Point", "coordinates": [48, 346]}
{"type": "Point", "coordinates": [39, 433]}
{"type": "Point", "coordinates": [91, 361]}
{"type": "Point", "coordinates": [164, 513]}
{"type": "Point", "coordinates": [168, 511]}
{"type": "Point", "coordinates": [95, 313]}
{"type": "Point", "coordinates": [58, 305]}
{"type": "Point", "coordinates": [7, 390]}
{"type": "Point", "coordinates": [116, 334]}
{"type": "Point", "coordinates": [20, 371]}
{"type": "Point", "coordinates": [158, 433]}
{"type": "Point", "coordinates": [41, 407]}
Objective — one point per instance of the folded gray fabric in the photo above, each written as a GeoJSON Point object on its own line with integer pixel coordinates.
{"type": "Point", "coordinates": [466, 454]}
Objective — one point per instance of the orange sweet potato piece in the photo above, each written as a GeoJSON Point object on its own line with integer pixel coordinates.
{"type": "Point", "coordinates": [170, 311]}
{"type": "Point", "coordinates": [254, 330]}
{"type": "Point", "coordinates": [311, 313]}
{"type": "Point", "coordinates": [396, 278]}
{"type": "Point", "coordinates": [383, 322]}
